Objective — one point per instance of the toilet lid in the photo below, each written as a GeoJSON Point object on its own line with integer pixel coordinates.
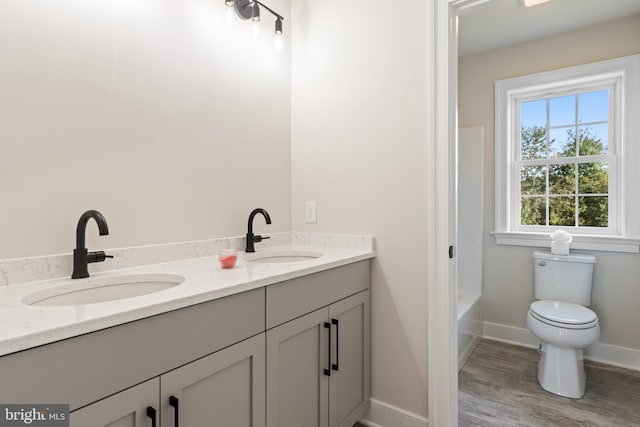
{"type": "Point", "coordinates": [563, 312]}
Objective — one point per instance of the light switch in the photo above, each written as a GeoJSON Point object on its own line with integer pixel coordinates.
{"type": "Point", "coordinates": [310, 215]}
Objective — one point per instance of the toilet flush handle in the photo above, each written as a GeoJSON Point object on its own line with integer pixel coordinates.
{"type": "Point", "coordinates": [542, 263]}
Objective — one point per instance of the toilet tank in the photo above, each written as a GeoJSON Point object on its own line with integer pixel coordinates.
{"type": "Point", "coordinates": [564, 277]}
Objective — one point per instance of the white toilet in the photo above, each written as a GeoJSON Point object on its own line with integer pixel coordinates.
{"type": "Point", "coordinates": [561, 321]}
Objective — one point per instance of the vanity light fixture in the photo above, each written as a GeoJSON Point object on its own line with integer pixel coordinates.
{"type": "Point", "coordinates": [250, 9]}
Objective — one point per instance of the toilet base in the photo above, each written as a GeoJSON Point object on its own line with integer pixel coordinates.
{"type": "Point", "coordinates": [561, 371]}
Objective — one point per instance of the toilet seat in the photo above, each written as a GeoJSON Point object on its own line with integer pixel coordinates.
{"type": "Point", "coordinates": [563, 314]}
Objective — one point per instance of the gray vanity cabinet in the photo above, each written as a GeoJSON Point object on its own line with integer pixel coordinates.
{"type": "Point", "coordinates": [225, 388]}
{"type": "Point", "coordinates": [318, 366]}
{"type": "Point", "coordinates": [291, 354]}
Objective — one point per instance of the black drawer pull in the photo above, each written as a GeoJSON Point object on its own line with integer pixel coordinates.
{"type": "Point", "coordinates": [173, 401]}
{"type": "Point", "coordinates": [327, 371]}
{"type": "Point", "coordinates": [335, 365]}
{"type": "Point", "coordinates": [151, 413]}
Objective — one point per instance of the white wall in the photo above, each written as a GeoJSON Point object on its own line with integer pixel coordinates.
{"type": "Point", "coordinates": [359, 139]}
{"type": "Point", "coordinates": [155, 112]}
{"type": "Point", "coordinates": [508, 270]}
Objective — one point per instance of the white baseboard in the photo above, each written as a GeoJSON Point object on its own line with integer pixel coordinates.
{"type": "Point", "coordinates": [599, 352]}
{"type": "Point", "coordinates": [384, 415]}
{"type": "Point", "coordinates": [614, 355]}
{"type": "Point", "coordinates": [509, 334]}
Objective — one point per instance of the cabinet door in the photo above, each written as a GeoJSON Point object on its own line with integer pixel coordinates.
{"type": "Point", "coordinates": [125, 409]}
{"type": "Point", "coordinates": [349, 385]}
{"type": "Point", "coordinates": [223, 389]}
{"type": "Point", "coordinates": [297, 388]}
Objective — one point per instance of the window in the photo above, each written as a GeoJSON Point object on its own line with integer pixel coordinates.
{"type": "Point", "coordinates": [563, 160]}
{"type": "Point", "coordinates": [567, 154]}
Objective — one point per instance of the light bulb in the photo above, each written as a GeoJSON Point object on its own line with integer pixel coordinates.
{"type": "Point", "coordinates": [278, 26]}
{"type": "Point", "coordinates": [255, 12]}
{"type": "Point", "coordinates": [228, 3]}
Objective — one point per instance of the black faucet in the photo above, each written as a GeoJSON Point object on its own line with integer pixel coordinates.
{"type": "Point", "coordinates": [81, 258]}
{"type": "Point", "coordinates": [251, 239]}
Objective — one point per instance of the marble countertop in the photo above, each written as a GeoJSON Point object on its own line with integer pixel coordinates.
{"type": "Point", "coordinates": [24, 326]}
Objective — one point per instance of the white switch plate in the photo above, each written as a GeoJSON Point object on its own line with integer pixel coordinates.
{"type": "Point", "coordinates": [310, 216]}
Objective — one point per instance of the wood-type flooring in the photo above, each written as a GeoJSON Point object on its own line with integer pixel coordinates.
{"type": "Point", "coordinates": [498, 386]}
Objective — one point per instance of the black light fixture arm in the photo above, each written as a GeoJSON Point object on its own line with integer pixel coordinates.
{"type": "Point", "coordinates": [273, 12]}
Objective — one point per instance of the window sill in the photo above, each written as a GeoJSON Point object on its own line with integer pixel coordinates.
{"type": "Point", "coordinates": [590, 242]}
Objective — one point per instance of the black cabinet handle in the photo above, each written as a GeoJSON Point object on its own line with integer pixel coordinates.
{"type": "Point", "coordinates": [151, 413]}
{"type": "Point", "coordinates": [327, 371]}
{"type": "Point", "coordinates": [335, 365]}
{"type": "Point", "coordinates": [173, 401]}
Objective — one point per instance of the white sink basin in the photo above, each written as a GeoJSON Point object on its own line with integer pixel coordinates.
{"type": "Point", "coordinates": [283, 256]}
{"type": "Point", "coordinates": [92, 291]}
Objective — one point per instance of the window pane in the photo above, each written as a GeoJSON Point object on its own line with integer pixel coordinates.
{"type": "Point", "coordinates": [593, 107]}
{"type": "Point", "coordinates": [533, 211]}
{"type": "Point", "coordinates": [533, 180]}
{"type": "Point", "coordinates": [562, 142]}
{"type": "Point", "coordinates": [533, 143]}
{"type": "Point", "coordinates": [562, 211]}
{"type": "Point", "coordinates": [594, 139]}
{"type": "Point", "coordinates": [594, 211]}
{"type": "Point", "coordinates": [593, 178]}
{"type": "Point", "coordinates": [533, 114]}
{"type": "Point", "coordinates": [562, 110]}
{"type": "Point", "coordinates": [562, 179]}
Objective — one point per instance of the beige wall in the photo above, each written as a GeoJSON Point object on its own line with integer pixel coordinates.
{"type": "Point", "coordinates": [508, 270]}
{"type": "Point", "coordinates": [156, 113]}
{"type": "Point", "coordinates": [359, 139]}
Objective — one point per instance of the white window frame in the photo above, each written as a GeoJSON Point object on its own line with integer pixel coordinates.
{"type": "Point", "coordinates": [622, 77]}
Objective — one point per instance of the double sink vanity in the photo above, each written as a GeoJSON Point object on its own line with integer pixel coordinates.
{"type": "Point", "coordinates": [280, 340]}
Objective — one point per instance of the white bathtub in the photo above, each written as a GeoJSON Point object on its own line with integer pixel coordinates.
{"type": "Point", "coordinates": [469, 324]}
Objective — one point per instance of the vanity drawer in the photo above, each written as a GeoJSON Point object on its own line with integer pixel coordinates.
{"type": "Point", "coordinates": [294, 298]}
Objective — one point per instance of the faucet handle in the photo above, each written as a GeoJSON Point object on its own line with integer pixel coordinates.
{"type": "Point", "coordinates": [97, 256]}
{"type": "Point", "coordinates": [258, 238]}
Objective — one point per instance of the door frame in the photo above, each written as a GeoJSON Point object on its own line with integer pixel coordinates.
{"type": "Point", "coordinates": [442, 282]}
